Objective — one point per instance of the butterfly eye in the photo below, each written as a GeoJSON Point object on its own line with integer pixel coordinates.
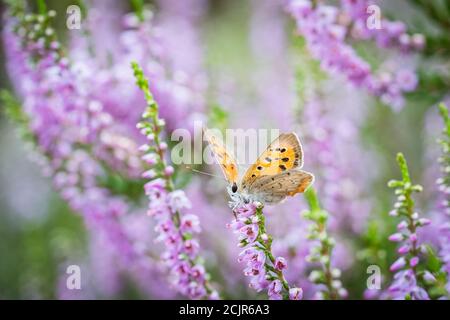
{"type": "Point", "coordinates": [234, 187]}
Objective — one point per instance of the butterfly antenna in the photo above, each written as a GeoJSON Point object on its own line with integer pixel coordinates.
{"type": "Point", "coordinates": [205, 173]}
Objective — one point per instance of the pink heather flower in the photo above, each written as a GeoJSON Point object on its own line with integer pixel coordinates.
{"type": "Point", "coordinates": [406, 80]}
{"type": "Point", "coordinates": [295, 294]}
{"type": "Point", "coordinates": [168, 171]}
{"type": "Point", "coordinates": [275, 290]}
{"type": "Point", "coordinates": [177, 201]}
{"type": "Point", "coordinates": [402, 225]}
{"type": "Point", "coordinates": [252, 256]}
{"type": "Point", "coordinates": [428, 277]}
{"type": "Point", "coordinates": [144, 148]}
{"type": "Point", "coordinates": [253, 270]}
{"type": "Point", "coordinates": [150, 159]}
{"type": "Point", "coordinates": [198, 272]}
{"type": "Point", "coordinates": [414, 262]}
{"type": "Point", "coordinates": [155, 188]}
{"type": "Point", "coordinates": [191, 247]}
{"type": "Point", "coordinates": [195, 290]}
{"type": "Point", "coordinates": [155, 210]}
{"type": "Point", "coordinates": [149, 174]}
{"type": "Point", "coordinates": [398, 264]}
{"type": "Point", "coordinates": [423, 222]}
{"type": "Point", "coordinates": [163, 146]}
{"type": "Point", "coordinates": [246, 210]}
{"type": "Point", "coordinates": [403, 249]}
{"type": "Point", "coordinates": [236, 225]}
{"type": "Point", "coordinates": [393, 213]}
{"type": "Point", "coordinates": [396, 237]}
{"type": "Point", "coordinates": [190, 223]}
{"type": "Point", "coordinates": [405, 283]}
{"type": "Point", "coordinates": [259, 282]}
{"type": "Point", "coordinates": [280, 263]}
{"type": "Point", "coordinates": [249, 232]}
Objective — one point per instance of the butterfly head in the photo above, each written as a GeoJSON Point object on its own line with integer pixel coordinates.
{"type": "Point", "coordinates": [238, 198]}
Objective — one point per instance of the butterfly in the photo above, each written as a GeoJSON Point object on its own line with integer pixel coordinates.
{"type": "Point", "coordinates": [274, 176]}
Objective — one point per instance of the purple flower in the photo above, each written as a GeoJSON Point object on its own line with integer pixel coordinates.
{"type": "Point", "coordinates": [275, 290]}
{"type": "Point", "coordinates": [190, 223]}
{"type": "Point", "coordinates": [406, 80]}
{"type": "Point", "coordinates": [396, 237]}
{"type": "Point", "coordinates": [166, 205]}
{"type": "Point", "coordinates": [325, 36]}
{"type": "Point", "coordinates": [280, 263]}
{"type": "Point", "coordinates": [260, 265]}
{"type": "Point", "coordinates": [398, 264]}
{"type": "Point", "coordinates": [414, 262]}
{"type": "Point", "coordinates": [429, 278]}
{"type": "Point", "coordinates": [73, 132]}
{"type": "Point", "coordinates": [249, 233]}
{"type": "Point", "coordinates": [177, 201]}
{"type": "Point", "coordinates": [405, 284]}
{"type": "Point", "coordinates": [295, 294]}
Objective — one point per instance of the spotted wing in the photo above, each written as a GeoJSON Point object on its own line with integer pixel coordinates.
{"type": "Point", "coordinates": [283, 154]}
{"type": "Point", "coordinates": [275, 188]}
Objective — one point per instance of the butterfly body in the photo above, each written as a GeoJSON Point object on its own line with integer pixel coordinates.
{"type": "Point", "coordinates": [272, 178]}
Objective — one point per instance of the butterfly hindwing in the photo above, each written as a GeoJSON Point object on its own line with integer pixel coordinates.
{"type": "Point", "coordinates": [275, 188]}
{"type": "Point", "coordinates": [283, 154]}
{"type": "Point", "coordinates": [225, 160]}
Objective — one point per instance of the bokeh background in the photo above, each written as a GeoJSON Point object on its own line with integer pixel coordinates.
{"type": "Point", "coordinates": [258, 74]}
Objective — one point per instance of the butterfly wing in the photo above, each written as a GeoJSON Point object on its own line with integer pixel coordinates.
{"type": "Point", "coordinates": [283, 154]}
{"type": "Point", "coordinates": [224, 159]}
{"type": "Point", "coordinates": [274, 189]}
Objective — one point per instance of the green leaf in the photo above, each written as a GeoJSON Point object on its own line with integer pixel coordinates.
{"type": "Point", "coordinates": [434, 263]}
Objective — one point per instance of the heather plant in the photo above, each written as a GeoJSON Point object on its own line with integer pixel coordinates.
{"type": "Point", "coordinates": [356, 80]}
{"type": "Point", "coordinates": [444, 187]}
{"type": "Point", "coordinates": [175, 229]}
{"type": "Point", "coordinates": [265, 271]}
{"type": "Point", "coordinates": [408, 276]}
{"type": "Point", "coordinates": [325, 276]}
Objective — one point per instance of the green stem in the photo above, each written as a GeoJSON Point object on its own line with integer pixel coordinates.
{"type": "Point", "coordinates": [41, 6]}
{"type": "Point", "coordinates": [267, 248]}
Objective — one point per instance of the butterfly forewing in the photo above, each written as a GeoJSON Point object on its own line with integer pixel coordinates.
{"type": "Point", "coordinates": [225, 160]}
{"type": "Point", "coordinates": [283, 154]}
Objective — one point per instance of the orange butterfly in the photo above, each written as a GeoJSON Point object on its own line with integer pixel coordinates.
{"type": "Point", "coordinates": [274, 176]}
